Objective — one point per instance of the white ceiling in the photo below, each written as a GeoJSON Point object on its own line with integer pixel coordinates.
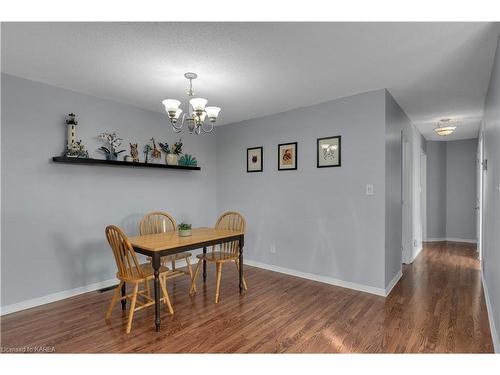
{"type": "Point", "coordinates": [434, 70]}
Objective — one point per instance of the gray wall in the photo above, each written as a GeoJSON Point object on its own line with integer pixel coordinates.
{"type": "Point", "coordinates": [461, 189]}
{"type": "Point", "coordinates": [491, 203]}
{"type": "Point", "coordinates": [314, 220]}
{"type": "Point", "coordinates": [436, 189]}
{"type": "Point", "coordinates": [54, 215]}
{"type": "Point", "coordinates": [451, 189]}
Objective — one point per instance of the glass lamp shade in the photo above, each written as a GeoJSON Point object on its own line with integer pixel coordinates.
{"type": "Point", "coordinates": [178, 113]}
{"type": "Point", "coordinates": [212, 113]}
{"type": "Point", "coordinates": [171, 106]}
{"type": "Point", "coordinates": [445, 130]}
{"type": "Point", "coordinates": [198, 104]}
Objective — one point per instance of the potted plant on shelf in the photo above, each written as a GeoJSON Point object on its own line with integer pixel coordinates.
{"type": "Point", "coordinates": [172, 152]}
{"type": "Point", "coordinates": [184, 230]}
{"type": "Point", "coordinates": [114, 142]}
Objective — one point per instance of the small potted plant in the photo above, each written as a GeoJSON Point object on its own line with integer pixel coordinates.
{"type": "Point", "coordinates": [114, 142]}
{"type": "Point", "coordinates": [184, 230]}
{"type": "Point", "coordinates": [172, 152]}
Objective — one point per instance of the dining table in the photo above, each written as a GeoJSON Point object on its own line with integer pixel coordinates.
{"type": "Point", "coordinates": [169, 243]}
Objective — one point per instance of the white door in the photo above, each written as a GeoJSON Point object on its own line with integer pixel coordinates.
{"type": "Point", "coordinates": [423, 194]}
{"type": "Point", "coordinates": [406, 197]}
{"type": "Point", "coordinates": [479, 194]}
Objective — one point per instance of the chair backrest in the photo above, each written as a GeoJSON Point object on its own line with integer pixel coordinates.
{"type": "Point", "coordinates": [126, 261]}
{"type": "Point", "coordinates": [157, 222]}
{"type": "Point", "coordinates": [233, 221]}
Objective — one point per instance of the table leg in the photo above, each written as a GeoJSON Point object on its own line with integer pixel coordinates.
{"type": "Point", "coordinates": [204, 265]}
{"type": "Point", "coordinates": [124, 301]}
{"type": "Point", "coordinates": [242, 242]}
{"type": "Point", "coordinates": [156, 266]}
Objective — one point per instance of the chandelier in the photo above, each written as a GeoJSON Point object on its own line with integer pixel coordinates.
{"type": "Point", "coordinates": [445, 127]}
{"type": "Point", "coordinates": [197, 112]}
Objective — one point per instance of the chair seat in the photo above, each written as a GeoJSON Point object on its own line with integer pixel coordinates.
{"type": "Point", "coordinates": [147, 271]}
{"type": "Point", "coordinates": [218, 256]}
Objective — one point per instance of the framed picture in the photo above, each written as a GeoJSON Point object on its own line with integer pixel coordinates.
{"type": "Point", "coordinates": [287, 156]}
{"type": "Point", "coordinates": [329, 152]}
{"type": "Point", "coordinates": [254, 159]}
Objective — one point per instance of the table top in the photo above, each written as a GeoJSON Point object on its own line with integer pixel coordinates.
{"type": "Point", "coordinates": [171, 240]}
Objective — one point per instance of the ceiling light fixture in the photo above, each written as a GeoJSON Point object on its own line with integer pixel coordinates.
{"type": "Point", "coordinates": [445, 127]}
{"type": "Point", "coordinates": [196, 114]}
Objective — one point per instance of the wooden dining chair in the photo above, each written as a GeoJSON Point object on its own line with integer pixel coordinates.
{"type": "Point", "coordinates": [228, 252]}
{"type": "Point", "coordinates": [130, 271]}
{"type": "Point", "coordinates": [161, 222]}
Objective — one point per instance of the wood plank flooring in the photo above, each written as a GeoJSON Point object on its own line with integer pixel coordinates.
{"type": "Point", "coordinates": [437, 306]}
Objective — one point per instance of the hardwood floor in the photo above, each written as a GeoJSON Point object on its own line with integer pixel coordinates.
{"type": "Point", "coordinates": [437, 306]}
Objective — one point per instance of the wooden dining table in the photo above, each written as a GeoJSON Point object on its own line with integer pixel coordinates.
{"type": "Point", "coordinates": [169, 243]}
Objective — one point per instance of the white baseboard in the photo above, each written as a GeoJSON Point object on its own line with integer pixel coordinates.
{"type": "Point", "coordinates": [321, 279]}
{"type": "Point", "coordinates": [34, 302]}
{"type": "Point", "coordinates": [393, 282]}
{"type": "Point", "coordinates": [450, 239]}
{"type": "Point", "coordinates": [494, 332]}
{"type": "Point", "coordinates": [28, 304]}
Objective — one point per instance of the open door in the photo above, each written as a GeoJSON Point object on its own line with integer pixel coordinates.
{"type": "Point", "coordinates": [406, 199]}
{"type": "Point", "coordinates": [479, 194]}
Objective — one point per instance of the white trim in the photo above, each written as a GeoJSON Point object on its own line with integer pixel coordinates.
{"type": "Point", "coordinates": [393, 282]}
{"type": "Point", "coordinates": [494, 332]}
{"type": "Point", "coordinates": [450, 239]}
{"type": "Point", "coordinates": [321, 279]}
{"type": "Point", "coordinates": [28, 304]}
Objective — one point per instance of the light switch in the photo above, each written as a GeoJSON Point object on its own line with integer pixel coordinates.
{"type": "Point", "coordinates": [369, 189]}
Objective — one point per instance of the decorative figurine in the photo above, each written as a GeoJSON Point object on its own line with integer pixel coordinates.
{"type": "Point", "coordinates": [155, 153]}
{"type": "Point", "coordinates": [74, 148]}
{"type": "Point", "coordinates": [188, 161]}
{"type": "Point", "coordinates": [172, 153]}
{"type": "Point", "coordinates": [134, 153]}
{"type": "Point", "coordinates": [114, 142]}
{"type": "Point", "coordinates": [147, 150]}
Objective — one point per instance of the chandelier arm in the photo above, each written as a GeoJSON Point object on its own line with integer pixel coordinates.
{"type": "Point", "coordinates": [178, 129]}
{"type": "Point", "coordinates": [207, 131]}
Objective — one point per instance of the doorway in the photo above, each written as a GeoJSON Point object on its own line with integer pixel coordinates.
{"type": "Point", "coordinates": [480, 168]}
{"type": "Point", "coordinates": [406, 199]}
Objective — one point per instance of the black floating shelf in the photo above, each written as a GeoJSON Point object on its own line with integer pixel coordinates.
{"type": "Point", "coordinates": [88, 161]}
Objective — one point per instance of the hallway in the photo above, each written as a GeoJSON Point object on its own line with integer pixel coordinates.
{"type": "Point", "coordinates": [439, 303]}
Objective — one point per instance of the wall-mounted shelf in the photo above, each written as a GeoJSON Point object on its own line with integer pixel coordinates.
{"type": "Point", "coordinates": [88, 161]}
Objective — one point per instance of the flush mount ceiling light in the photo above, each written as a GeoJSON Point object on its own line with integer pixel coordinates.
{"type": "Point", "coordinates": [445, 127]}
{"type": "Point", "coordinates": [196, 114]}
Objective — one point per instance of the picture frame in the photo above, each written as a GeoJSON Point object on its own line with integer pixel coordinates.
{"type": "Point", "coordinates": [329, 152]}
{"type": "Point", "coordinates": [255, 157]}
{"type": "Point", "coordinates": [287, 156]}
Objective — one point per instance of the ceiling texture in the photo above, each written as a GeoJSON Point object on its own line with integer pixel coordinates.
{"type": "Point", "coordinates": [434, 70]}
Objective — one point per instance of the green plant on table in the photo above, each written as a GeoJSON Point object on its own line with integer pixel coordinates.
{"type": "Point", "coordinates": [184, 226]}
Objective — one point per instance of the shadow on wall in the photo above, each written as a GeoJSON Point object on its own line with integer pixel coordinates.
{"type": "Point", "coordinates": [84, 265]}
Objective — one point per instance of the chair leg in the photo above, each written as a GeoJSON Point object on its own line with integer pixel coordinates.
{"type": "Point", "coordinates": [193, 280]}
{"type": "Point", "coordinates": [163, 284]}
{"type": "Point", "coordinates": [190, 270]}
{"type": "Point", "coordinates": [173, 265]}
{"type": "Point", "coordinates": [219, 273]}
{"type": "Point", "coordinates": [237, 263]}
{"type": "Point", "coordinates": [132, 307]}
{"type": "Point", "coordinates": [116, 297]}
{"type": "Point", "coordinates": [148, 289]}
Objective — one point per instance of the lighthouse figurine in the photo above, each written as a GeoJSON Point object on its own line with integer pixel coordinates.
{"type": "Point", "coordinates": [74, 148]}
